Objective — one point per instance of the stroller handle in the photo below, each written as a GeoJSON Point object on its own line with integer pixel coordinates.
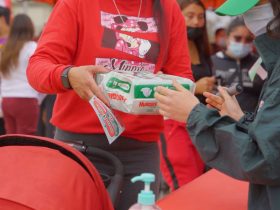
{"type": "Point", "coordinates": [115, 186]}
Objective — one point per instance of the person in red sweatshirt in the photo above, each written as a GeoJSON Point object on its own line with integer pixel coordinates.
{"type": "Point", "coordinates": [86, 37]}
{"type": "Point", "coordinates": [180, 161]}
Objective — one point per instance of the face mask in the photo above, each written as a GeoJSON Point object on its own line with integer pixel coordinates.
{"type": "Point", "coordinates": [239, 50]}
{"type": "Point", "coordinates": [194, 33]}
{"type": "Point", "coordinates": [257, 18]}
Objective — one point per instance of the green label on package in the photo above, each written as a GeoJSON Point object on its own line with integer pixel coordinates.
{"type": "Point", "coordinates": [134, 92]}
{"type": "Point", "coordinates": [148, 91]}
{"type": "Point", "coordinates": [116, 83]}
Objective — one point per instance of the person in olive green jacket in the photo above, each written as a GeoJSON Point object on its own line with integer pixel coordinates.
{"type": "Point", "coordinates": [245, 146]}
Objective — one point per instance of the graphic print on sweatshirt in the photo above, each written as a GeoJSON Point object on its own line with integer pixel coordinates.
{"type": "Point", "coordinates": [128, 23]}
{"type": "Point", "coordinates": [120, 65]}
{"type": "Point", "coordinates": [115, 36]}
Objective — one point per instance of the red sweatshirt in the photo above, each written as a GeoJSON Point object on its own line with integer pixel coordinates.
{"type": "Point", "coordinates": [86, 32]}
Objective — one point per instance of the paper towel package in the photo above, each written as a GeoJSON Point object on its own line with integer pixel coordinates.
{"type": "Point", "coordinates": [134, 93]}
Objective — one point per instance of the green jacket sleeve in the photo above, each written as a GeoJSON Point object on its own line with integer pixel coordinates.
{"type": "Point", "coordinates": [252, 155]}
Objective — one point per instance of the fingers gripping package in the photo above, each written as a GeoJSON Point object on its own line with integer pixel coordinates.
{"type": "Point", "coordinates": [134, 93]}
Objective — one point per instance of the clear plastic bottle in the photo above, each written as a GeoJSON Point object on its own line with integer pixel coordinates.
{"type": "Point", "coordinates": [146, 198]}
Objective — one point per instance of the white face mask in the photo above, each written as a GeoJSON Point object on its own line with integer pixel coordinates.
{"type": "Point", "coordinates": [257, 18]}
{"type": "Point", "coordinates": [239, 50]}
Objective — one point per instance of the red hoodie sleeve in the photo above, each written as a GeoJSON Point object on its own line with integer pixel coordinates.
{"type": "Point", "coordinates": [178, 59]}
{"type": "Point", "coordinates": [56, 49]}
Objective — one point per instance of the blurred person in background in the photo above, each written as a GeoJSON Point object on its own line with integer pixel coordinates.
{"type": "Point", "coordinates": [216, 28]}
{"type": "Point", "coordinates": [4, 25]}
{"type": "Point", "coordinates": [180, 162]}
{"type": "Point", "coordinates": [19, 104]}
{"type": "Point", "coordinates": [4, 32]}
{"type": "Point", "coordinates": [194, 13]}
{"type": "Point", "coordinates": [232, 65]}
{"type": "Point", "coordinates": [220, 40]}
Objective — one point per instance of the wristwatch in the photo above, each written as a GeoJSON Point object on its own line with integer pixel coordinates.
{"type": "Point", "coordinates": [65, 79]}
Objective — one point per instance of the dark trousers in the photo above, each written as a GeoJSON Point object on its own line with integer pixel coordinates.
{"type": "Point", "coordinates": [20, 115]}
{"type": "Point", "coordinates": [136, 156]}
{"type": "Point", "coordinates": [180, 161]}
{"type": "Point", "coordinates": [2, 127]}
{"type": "Point", "coordinates": [45, 128]}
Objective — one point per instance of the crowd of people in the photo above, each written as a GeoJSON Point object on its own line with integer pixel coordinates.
{"type": "Point", "coordinates": [54, 79]}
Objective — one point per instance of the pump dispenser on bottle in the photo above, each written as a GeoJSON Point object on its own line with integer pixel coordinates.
{"type": "Point", "coordinates": [146, 198]}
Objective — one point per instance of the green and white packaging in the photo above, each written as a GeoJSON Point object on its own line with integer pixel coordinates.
{"type": "Point", "coordinates": [134, 93]}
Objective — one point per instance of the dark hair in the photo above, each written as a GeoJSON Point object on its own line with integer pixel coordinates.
{"type": "Point", "coordinates": [163, 30]}
{"type": "Point", "coordinates": [219, 30]}
{"type": "Point", "coordinates": [22, 30]}
{"type": "Point", "coordinates": [273, 27]}
{"type": "Point", "coordinates": [202, 43]}
{"type": "Point", "coordinates": [235, 23]}
{"type": "Point", "coordinates": [5, 12]}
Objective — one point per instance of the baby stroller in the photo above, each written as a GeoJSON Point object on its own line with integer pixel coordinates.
{"type": "Point", "coordinates": [44, 174]}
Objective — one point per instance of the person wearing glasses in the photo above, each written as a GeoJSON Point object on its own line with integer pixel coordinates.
{"type": "Point", "coordinates": [232, 65]}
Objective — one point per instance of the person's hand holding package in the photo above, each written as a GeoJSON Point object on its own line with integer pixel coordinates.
{"type": "Point", "coordinates": [175, 104]}
{"type": "Point", "coordinates": [82, 81]}
{"type": "Point", "coordinates": [226, 104]}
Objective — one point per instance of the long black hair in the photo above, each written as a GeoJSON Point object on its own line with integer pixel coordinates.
{"type": "Point", "coordinates": [22, 30]}
{"type": "Point", "coordinates": [163, 28]}
{"type": "Point", "coordinates": [202, 43]}
{"type": "Point", "coordinates": [273, 27]}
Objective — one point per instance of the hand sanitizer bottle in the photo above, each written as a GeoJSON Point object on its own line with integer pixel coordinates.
{"type": "Point", "coordinates": [146, 198]}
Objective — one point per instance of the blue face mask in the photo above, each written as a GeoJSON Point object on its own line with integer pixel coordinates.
{"type": "Point", "coordinates": [239, 50]}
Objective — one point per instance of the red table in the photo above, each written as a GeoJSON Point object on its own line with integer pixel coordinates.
{"type": "Point", "coordinates": [211, 191]}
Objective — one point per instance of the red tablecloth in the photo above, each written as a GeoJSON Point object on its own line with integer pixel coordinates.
{"type": "Point", "coordinates": [211, 191]}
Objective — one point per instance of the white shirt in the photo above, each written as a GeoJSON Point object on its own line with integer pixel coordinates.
{"type": "Point", "coordinates": [16, 84]}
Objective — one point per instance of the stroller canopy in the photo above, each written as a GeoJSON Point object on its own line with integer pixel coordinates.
{"type": "Point", "coordinates": [45, 174]}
